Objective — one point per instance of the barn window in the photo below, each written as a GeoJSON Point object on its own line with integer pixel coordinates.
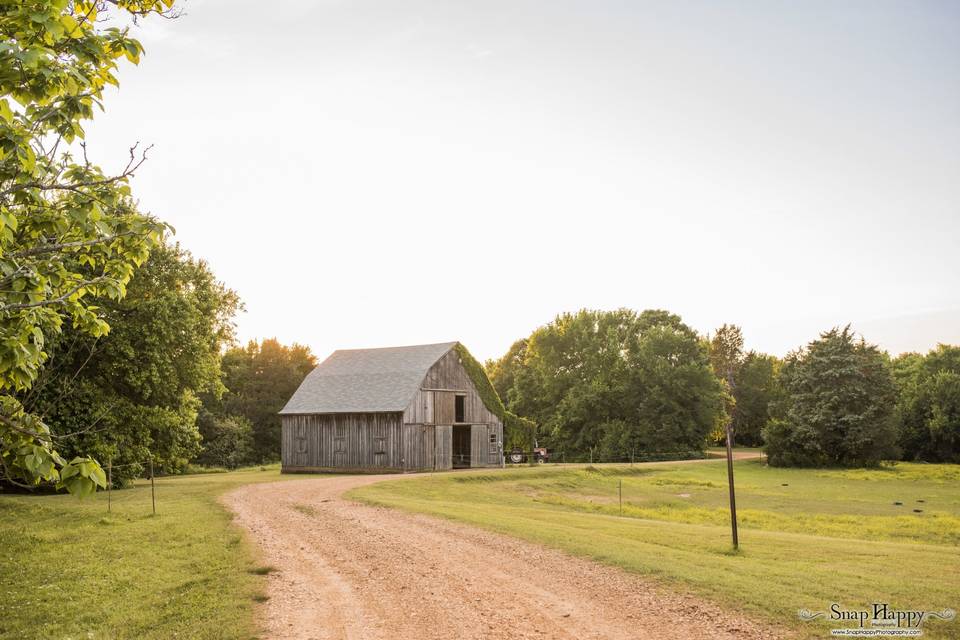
{"type": "Point", "coordinates": [379, 445]}
{"type": "Point", "coordinates": [493, 442]}
{"type": "Point", "coordinates": [339, 445]}
{"type": "Point", "coordinates": [459, 411]}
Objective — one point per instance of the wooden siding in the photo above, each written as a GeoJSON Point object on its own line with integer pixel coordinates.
{"type": "Point", "coordinates": [447, 375]}
{"type": "Point", "coordinates": [342, 441]}
{"type": "Point", "coordinates": [419, 446]}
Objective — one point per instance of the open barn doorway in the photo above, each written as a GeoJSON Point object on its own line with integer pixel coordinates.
{"type": "Point", "coordinates": [461, 446]}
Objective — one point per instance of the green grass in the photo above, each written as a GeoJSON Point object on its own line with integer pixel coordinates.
{"type": "Point", "coordinates": [808, 537]}
{"type": "Point", "coordinates": [68, 569]}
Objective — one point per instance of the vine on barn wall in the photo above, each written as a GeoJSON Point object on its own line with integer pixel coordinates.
{"type": "Point", "coordinates": [518, 432]}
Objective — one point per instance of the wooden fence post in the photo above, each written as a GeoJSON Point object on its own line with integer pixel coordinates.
{"type": "Point", "coordinates": [109, 481]}
{"type": "Point", "coordinates": [153, 489]}
{"type": "Point", "coordinates": [621, 496]}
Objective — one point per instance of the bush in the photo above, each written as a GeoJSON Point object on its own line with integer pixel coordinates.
{"type": "Point", "coordinates": [227, 440]}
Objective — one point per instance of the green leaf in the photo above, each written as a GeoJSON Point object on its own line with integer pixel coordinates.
{"type": "Point", "coordinates": [5, 112]}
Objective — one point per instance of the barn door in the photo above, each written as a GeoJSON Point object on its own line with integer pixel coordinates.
{"type": "Point", "coordinates": [444, 407]}
{"type": "Point", "coordinates": [479, 434]}
{"type": "Point", "coordinates": [443, 449]}
{"type": "Point", "coordinates": [429, 446]}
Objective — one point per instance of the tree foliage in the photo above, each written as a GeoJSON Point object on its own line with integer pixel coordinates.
{"type": "Point", "coordinates": [260, 378]}
{"type": "Point", "coordinates": [837, 406]}
{"type": "Point", "coordinates": [726, 352]}
{"type": "Point", "coordinates": [133, 394]}
{"type": "Point", "coordinates": [502, 372]}
{"type": "Point", "coordinates": [613, 382]}
{"type": "Point", "coordinates": [928, 408]}
{"type": "Point", "coordinates": [227, 440]}
{"type": "Point", "coordinates": [755, 389]}
{"type": "Point", "coordinates": [69, 232]}
{"type": "Point", "coordinates": [725, 349]}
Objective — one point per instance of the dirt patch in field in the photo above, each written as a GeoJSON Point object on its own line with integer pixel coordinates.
{"type": "Point", "coordinates": [346, 570]}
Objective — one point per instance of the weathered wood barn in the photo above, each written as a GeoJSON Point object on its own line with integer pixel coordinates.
{"type": "Point", "coordinates": [396, 409]}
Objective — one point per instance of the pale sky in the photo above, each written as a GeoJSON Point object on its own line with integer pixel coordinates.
{"type": "Point", "coordinates": [388, 173]}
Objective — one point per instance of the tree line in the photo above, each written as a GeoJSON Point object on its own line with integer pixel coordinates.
{"type": "Point", "coordinates": [609, 385]}
{"type": "Point", "coordinates": [168, 382]}
{"type": "Point", "coordinates": [115, 344]}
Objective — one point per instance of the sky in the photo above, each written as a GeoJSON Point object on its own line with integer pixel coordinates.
{"type": "Point", "coordinates": [380, 173]}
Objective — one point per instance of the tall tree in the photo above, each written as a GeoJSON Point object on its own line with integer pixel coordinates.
{"type": "Point", "coordinates": [133, 394]}
{"type": "Point", "coordinates": [928, 405]}
{"type": "Point", "coordinates": [503, 371]}
{"type": "Point", "coordinates": [69, 232]}
{"type": "Point", "coordinates": [837, 407]}
{"type": "Point", "coordinates": [755, 389]}
{"type": "Point", "coordinates": [726, 352]}
{"type": "Point", "coordinates": [260, 378]}
{"type": "Point", "coordinates": [673, 399]}
{"type": "Point", "coordinates": [614, 380]}
{"type": "Point", "coordinates": [726, 357]}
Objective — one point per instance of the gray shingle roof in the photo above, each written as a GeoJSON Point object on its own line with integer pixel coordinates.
{"type": "Point", "coordinates": [366, 380]}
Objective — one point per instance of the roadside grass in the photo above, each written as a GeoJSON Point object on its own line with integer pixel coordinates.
{"type": "Point", "coordinates": [809, 538]}
{"type": "Point", "coordinates": [305, 509]}
{"type": "Point", "coordinates": [68, 569]}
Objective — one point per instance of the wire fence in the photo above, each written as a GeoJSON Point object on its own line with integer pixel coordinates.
{"type": "Point", "coordinates": [153, 485]}
{"type": "Point", "coordinates": [595, 457]}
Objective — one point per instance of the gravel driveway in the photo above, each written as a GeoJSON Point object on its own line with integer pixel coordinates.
{"type": "Point", "coordinates": [346, 570]}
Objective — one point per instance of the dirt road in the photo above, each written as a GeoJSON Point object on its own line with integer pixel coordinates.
{"type": "Point", "coordinates": [346, 570]}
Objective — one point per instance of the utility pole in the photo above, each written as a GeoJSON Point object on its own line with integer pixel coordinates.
{"type": "Point", "coordinates": [726, 353]}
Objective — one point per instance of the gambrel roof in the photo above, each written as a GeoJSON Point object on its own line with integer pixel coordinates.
{"type": "Point", "coordinates": [366, 380]}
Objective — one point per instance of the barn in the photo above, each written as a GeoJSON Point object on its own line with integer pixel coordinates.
{"type": "Point", "coordinates": [396, 409]}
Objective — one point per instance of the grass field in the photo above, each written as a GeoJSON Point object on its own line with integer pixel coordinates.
{"type": "Point", "coordinates": [808, 537]}
{"type": "Point", "coordinates": [68, 569]}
